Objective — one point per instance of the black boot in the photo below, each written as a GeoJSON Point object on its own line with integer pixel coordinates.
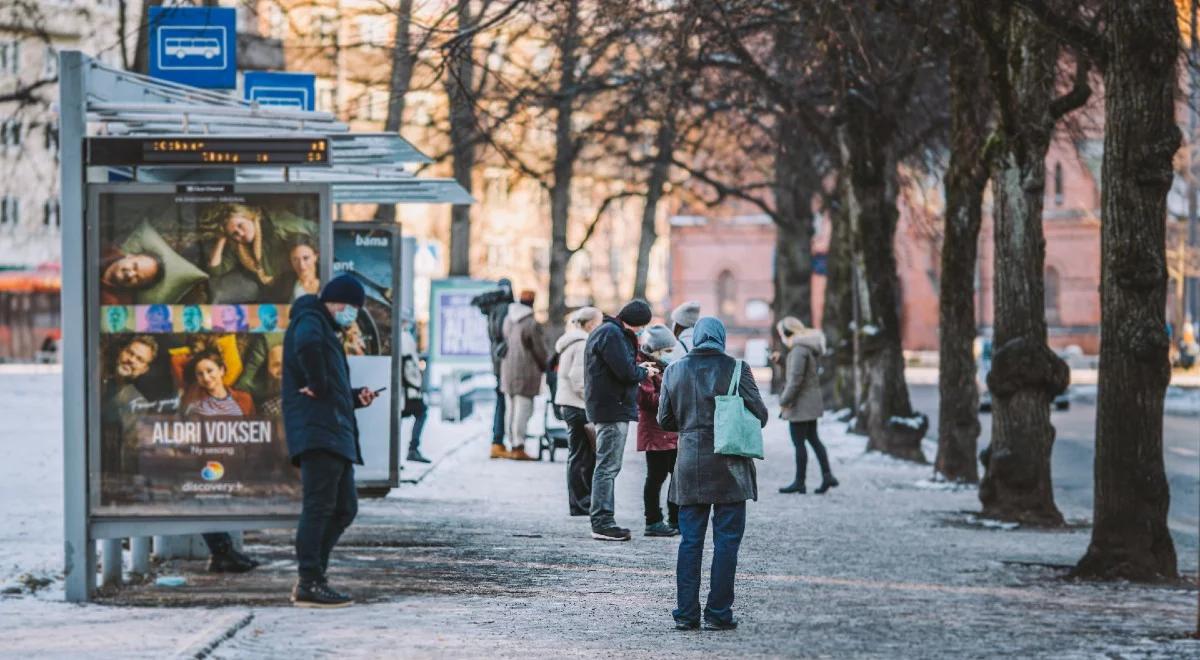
{"type": "Point", "coordinates": [794, 487]}
{"type": "Point", "coordinates": [231, 561]}
{"type": "Point", "coordinates": [415, 456]}
{"type": "Point", "coordinates": [827, 482]}
{"type": "Point", "coordinates": [313, 594]}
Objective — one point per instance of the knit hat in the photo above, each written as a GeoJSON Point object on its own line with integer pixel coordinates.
{"type": "Point", "coordinates": [527, 297]}
{"type": "Point", "coordinates": [635, 313]}
{"type": "Point", "coordinates": [657, 337]}
{"type": "Point", "coordinates": [686, 315]}
{"type": "Point", "coordinates": [344, 289]}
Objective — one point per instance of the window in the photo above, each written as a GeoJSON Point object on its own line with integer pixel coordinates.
{"type": "Point", "coordinates": [10, 57]}
{"type": "Point", "coordinates": [372, 30]}
{"type": "Point", "coordinates": [326, 101]}
{"type": "Point", "coordinates": [51, 214]}
{"type": "Point", "coordinates": [726, 296]}
{"type": "Point", "coordinates": [757, 310]}
{"type": "Point", "coordinates": [276, 22]}
{"type": "Point", "coordinates": [1058, 184]}
{"type": "Point", "coordinates": [327, 29]}
{"type": "Point", "coordinates": [50, 63]}
{"type": "Point", "coordinates": [11, 132]}
{"type": "Point", "coordinates": [1051, 297]}
{"type": "Point", "coordinates": [10, 210]}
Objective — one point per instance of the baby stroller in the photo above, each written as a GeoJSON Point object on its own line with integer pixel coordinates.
{"type": "Point", "coordinates": [554, 436]}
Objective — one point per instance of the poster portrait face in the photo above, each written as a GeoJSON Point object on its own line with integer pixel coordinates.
{"type": "Point", "coordinates": [268, 318]}
{"type": "Point", "coordinates": [116, 318]}
{"type": "Point", "coordinates": [206, 281]}
{"type": "Point", "coordinates": [192, 318]}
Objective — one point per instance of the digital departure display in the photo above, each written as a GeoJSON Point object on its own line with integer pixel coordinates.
{"type": "Point", "coordinates": [199, 151]}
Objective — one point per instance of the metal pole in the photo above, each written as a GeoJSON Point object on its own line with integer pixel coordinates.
{"type": "Point", "coordinates": [110, 562]}
{"type": "Point", "coordinates": [79, 559]}
{"type": "Point", "coordinates": [139, 555]}
{"type": "Point", "coordinates": [857, 332]}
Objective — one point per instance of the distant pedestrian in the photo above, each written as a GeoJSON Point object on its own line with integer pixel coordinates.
{"type": "Point", "coordinates": [494, 305]}
{"type": "Point", "coordinates": [800, 402]}
{"type": "Point", "coordinates": [322, 434]}
{"type": "Point", "coordinates": [704, 481]}
{"type": "Point", "coordinates": [683, 318]}
{"type": "Point", "coordinates": [613, 374]}
{"type": "Point", "coordinates": [413, 386]}
{"type": "Point", "coordinates": [581, 450]}
{"type": "Point", "coordinates": [658, 345]}
{"type": "Point", "coordinates": [521, 371]}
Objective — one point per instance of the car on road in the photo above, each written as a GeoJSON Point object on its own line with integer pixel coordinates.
{"type": "Point", "coordinates": [983, 362]}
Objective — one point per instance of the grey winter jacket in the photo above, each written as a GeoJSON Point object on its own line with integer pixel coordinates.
{"type": "Point", "coordinates": [800, 400]}
{"type": "Point", "coordinates": [687, 404]}
{"type": "Point", "coordinates": [522, 368]}
{"type": "Point", "coordinates": [571, 375]}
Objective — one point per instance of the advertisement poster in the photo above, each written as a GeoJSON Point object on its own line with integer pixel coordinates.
{"type": "Point", "coordinates": [194, 293]}
{"type": "Point", "coordinates": [458, 336]}
{"type": "Point", "coordinates": [368, 252]}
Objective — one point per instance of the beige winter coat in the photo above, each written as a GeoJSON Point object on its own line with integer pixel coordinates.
{"type": "Point", "coordinates": [800, 400]}
{"type": "Point", "coordinates": [522, 368]}
{"type": "Point", "coordinates": [571, 374]}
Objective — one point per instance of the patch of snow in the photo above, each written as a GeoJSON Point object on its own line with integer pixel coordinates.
{"type": "Point", "coordinates": [942, 485]}
{"type": "Point", "coordinates": [870, 330]}
{"type": "Point", "coordinates": [988, 523]}
{"type": "Point", "coordinates": [915, 422]}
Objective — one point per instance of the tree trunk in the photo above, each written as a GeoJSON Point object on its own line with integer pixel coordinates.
{"type": "Point", "coordinates": [838, 381]}
{"type": "Point", "coordinates": [1025, 375]}
{"type": "Point", "coordinates": [463, 138]}
{"type": "Point", "coordinates": [141, 53]}
{"type": "Point", "coordinates": [886, 415]}
{"type": "Point", "coordinates": [401, 79]}
{"type": "Point", "coordinates": [564, 168]}
{"type": "Point", "coordinates": [664, 149]}
{"type": "Point", "coordinates": [794, 189]}
{"type": "Point", "coordinates": [1130, 539]}
{"type": "Point", "coordinates": [958, 410]}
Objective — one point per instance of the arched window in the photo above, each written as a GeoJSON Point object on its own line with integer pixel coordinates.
{"type": "Point", "coordinates": [1058, 184]}
{"type": "Point", "coordinates": [1051, 297]}
{"type": "Point", "coordinates": [726, 296]}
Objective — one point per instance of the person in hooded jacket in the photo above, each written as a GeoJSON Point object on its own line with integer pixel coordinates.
{"type": "Point", "coordinates": [613, 374]}
{"type": "Point", "coordinates": [581, 455]}
{"type": "Point", "coordinates": [322, 433]}
{"type": "Point", "coordinates": [521, 371]}
{"type": "Point", "coordinates": [658, 346]}
{"type": "Point", "coordinates": [800, 402]}
{"type": "Point", "coordinates": [705, 482]}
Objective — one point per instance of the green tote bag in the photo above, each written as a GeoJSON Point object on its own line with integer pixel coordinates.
{"type": "Point", "coordinates": [736, 432]}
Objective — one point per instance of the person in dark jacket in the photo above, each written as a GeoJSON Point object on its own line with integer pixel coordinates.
{"type": "Point", "coordinates": [322, 434]}
{"type": "Point", "coordinates": [494, 305]}
{"type": "Point", "coordinates": [612, 375]}
{"type": "Point", "coordinates": [705, 482]}
{"type": "Point", "coordinates": [658, 347]}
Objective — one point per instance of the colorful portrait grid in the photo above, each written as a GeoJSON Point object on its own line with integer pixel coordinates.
{"type": "Point", "coordinates": [194, 319]}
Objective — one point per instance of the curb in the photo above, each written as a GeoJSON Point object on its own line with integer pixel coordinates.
{"type": "Point", "coordinates": [207, 640]}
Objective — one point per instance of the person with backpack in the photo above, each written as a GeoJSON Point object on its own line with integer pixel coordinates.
{"type": "Point", "coordinates": [569, 397]}
{"type": "Point", "coordinates": [658, 346]}
{"type": "Point", "coordinates": [704, 481]}
{"type": "Point", "coordinates": [613, 374]}
{"type": "Point", "coordinates": [521, 371]}
{"type": "Point", "coordinates": [413, 386]}
{"type": "Point", "coordinates": [494, 305]}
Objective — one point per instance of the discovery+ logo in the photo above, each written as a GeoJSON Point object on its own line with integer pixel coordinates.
{"type": "Point", "coordinates": [213, 471]}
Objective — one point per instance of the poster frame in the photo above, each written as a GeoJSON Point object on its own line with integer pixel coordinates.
{"type": "Point", "coordinates": [397, 401]}
{"type": "Point", "coordinates": [110, 525]}
{"type": "Point", "coordinates": [438, 365]}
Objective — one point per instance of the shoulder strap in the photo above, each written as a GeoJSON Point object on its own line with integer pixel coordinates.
{"type": "Point", "coordinates": [737, 377]}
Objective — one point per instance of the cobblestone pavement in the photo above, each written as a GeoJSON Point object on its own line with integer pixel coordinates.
{"type": "Point", "coordinates": [481, 559]}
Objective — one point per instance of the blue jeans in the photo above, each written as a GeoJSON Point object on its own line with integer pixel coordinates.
{"type": "Point", "coordinates": [498, 416]}
{"type": "Point", "coordinates": [330, 504]}
{"type": "Point", "coordinates": [729, 523]}
{"type": "Point", "coordinates": [610, 448]}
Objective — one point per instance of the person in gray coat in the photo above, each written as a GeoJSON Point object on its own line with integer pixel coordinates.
{"type": "Point", "coordinates": [705, 482]}
{"type": "Point", "coordinates": [800, 402]}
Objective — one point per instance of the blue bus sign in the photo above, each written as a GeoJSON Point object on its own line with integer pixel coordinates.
{"type": "Point", "coordinates": [295, 91]}
{"type": "Point", "coordinates": [194, 46]}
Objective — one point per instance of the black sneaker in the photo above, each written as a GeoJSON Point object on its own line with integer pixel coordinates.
{"type": "Point", "coordinates": [686, 625]}
{"type": "Point", "coordinates": [613, 533]}
{"type": "Point", "coordinates": [710, 624]}
{"type": "Point", "coordinates": [416, 456]}
{"type": "Point", "coordinates": [661, 529]}
{"type": "Point", "coordinates": [231, 562]}
{"type": "Point", "coordinates": [319, 595]}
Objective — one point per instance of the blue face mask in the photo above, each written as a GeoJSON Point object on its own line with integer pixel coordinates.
{"type": "Point", "coordinates": [347, 316]}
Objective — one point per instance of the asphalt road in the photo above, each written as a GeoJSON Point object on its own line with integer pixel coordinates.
{"type": "Point", "coordinates": [1074, 452]}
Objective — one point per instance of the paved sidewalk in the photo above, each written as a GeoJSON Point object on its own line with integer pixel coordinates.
{"type": "Point", "coordinates": [481, 560]}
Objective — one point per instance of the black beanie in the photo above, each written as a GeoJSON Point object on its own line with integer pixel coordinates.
{"type": "Point", "coordinates": [344, 289]}
{"type": "Point", "coordinates": [635, 313]}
